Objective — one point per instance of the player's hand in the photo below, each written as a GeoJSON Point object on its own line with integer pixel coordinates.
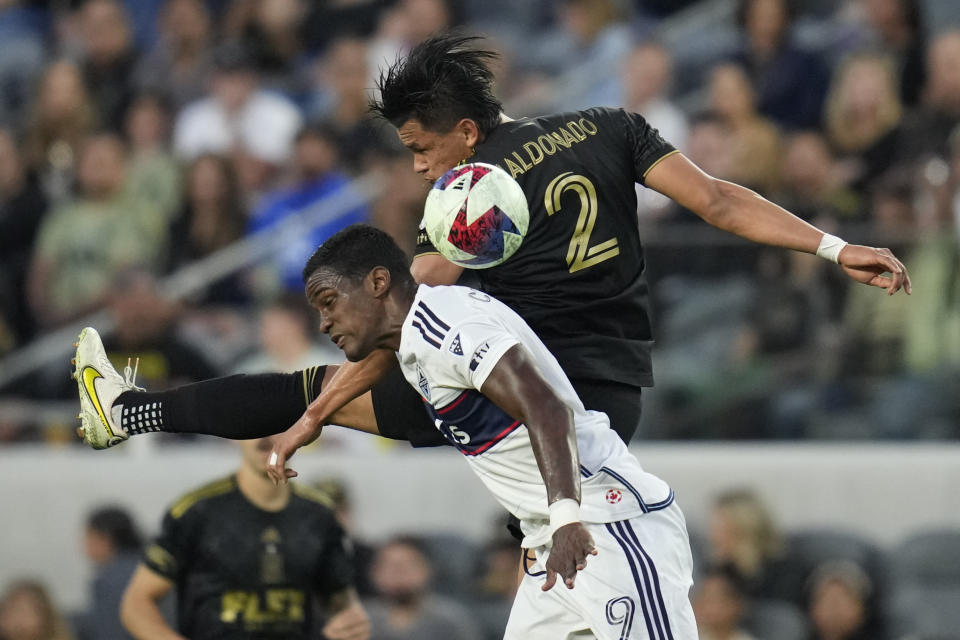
{"type": "Point", "coordinates": [303, 432]}
{"type": "Point", "coordinates": [867, 264]}
{"type": "Point", "coordinates": [572, 544]}
{"type": "Point", "coordinates": [350, 624]}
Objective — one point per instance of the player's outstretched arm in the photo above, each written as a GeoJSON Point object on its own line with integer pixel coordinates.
{"type": "Point", "coordinates": [139, 610]}
{"type": "Point", "coordinates": [516, 385]}
{"type": "Point", "coordinates": [344, 401]}
{"type": "Point", "coordinates": [347, 618]}
{"type": "Point", "coordinates": [739, 210]}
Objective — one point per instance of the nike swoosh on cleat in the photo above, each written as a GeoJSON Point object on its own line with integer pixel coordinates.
{"type": "Point", "coordinates": [89, 375]}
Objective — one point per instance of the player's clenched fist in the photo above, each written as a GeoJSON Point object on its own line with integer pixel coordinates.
{"type": "Point", "coordinates": [572, 544]}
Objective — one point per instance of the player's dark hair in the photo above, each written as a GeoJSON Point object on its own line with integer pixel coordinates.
{"type": "Point", "coordinates": [441, 81]}
{"type": "Point", "coordinates": [117, 525]}
{"type": "Point", "coordinates": [354, 251]}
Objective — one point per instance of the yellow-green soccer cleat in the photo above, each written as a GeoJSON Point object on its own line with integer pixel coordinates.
{"type": "Point", "coordinates": [99, 385]}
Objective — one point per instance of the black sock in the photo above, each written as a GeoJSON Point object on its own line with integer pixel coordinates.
{"type": "Point", "coordinates": [238, 407]}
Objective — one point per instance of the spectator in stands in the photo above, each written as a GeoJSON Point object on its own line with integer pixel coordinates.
{"type": "Point", "coordinates": [497, 584]}
{"type": "Point", "coordinates": [341, 99]}
{"type": "Point", "coordinates": [813, 182]}
{"type": "Point", "coordinates": [22, 31]}
{"type": "Point", "coordinates": [317, 178]}
{"type": "Point", "coordinates": [719, 605]}
{"type": "Point", "coordinates": [180, 64]}
{"type": "Point", "coordinates": [645, 79]}
{"type": "Point", "coordinates": [288, 340]}
{"type": "Point", "coordinates": [711, 146]}
{"type": "Point", "coordinates": [840, 593]}
{"type": "Point", "coordinates": [863, 115]}
{"type": "Point", "coordinates": [272, 32]}
{"type": "Point", "coordinates": [577, 59]}
{"type": "Point", "coordinates": [897, 27]}
{"type": "Point", "coordinates": [153, 175]}
{"type": "Point", "coordinates": [212, 217]}
{"type": "Point", "coordinates": [146, 328]}
{"type": "Point", "coordinates": [109, 58]}
{"type": "Point", "coordinates": [61, 116]}
{"type": "Point", "coordinates": [928, 129]}
{"type": "Point", "coordinates": [327, 21]}
{"type": "Point", "coordinates": [399, 208]}
{"type": "Point", "coordinates": [112, 543]}
{"type": "Point", "coordinates": [85, 243]}
{"type": "Point", "coordinates": [789, 81]}
{"type": "Point", "coordinates": [744, 539]}
{"type": "Point", "coordinates": [22, 205]}
{"type": "Point", "coordinates": [407, 609]}
{"type": "Point", "coordinates": [256, 128]}
{"type": "Point", "coordinates": [873, 339]}
{"type": "Point", "coordinates": [755, 139]}
{"type": "Point", "coordinates": [27, 612]}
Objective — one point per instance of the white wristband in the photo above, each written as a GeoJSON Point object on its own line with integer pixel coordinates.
{"type": "Point", "coordinates": [830, 247]}
{"type": "Point", "coordinates": [563, 512]}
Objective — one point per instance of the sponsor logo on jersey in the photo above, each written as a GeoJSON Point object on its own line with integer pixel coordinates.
{"type": "Point", "coordinates": [422, 383]}
{"type": "Point", "coordinates": [479, 295]}
{"type": "Point", "coordinates": [452, 432]}
{"type": "Point", "coordinates": [455, 347]}
{"type": "Point", "coordinates": [478, 355]}
{"type": "Point", "coordinates": [614, 496]}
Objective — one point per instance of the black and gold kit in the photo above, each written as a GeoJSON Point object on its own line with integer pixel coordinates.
{"type": "Point", "coordinates": [578, 278]}
{"type": "Point", "coordinates": [242, 573]}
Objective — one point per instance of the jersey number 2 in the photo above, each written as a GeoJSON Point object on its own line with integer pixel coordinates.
{"type": "Point", "coordinates": [580, 255]}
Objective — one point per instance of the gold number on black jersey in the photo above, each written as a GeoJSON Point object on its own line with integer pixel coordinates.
{"type": "Point", "coordinates": [580, 255]}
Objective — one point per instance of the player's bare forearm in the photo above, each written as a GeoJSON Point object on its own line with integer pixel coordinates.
{"type": "Point", "coordinates": [139, 610]}
{"type": "Point", "coordinates": [739, 210]}
{"type": "Point", "coordinates": [731, 207]}
{"type": "Point", "coordinates": [517, 386]}
{"type": "Point", "coordinates": [347, 403]}
{"type": "Point", "coordinates": [347, 382]}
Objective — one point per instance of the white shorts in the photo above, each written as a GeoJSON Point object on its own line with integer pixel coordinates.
{"type": "Point", "coordinates": [636, 587]}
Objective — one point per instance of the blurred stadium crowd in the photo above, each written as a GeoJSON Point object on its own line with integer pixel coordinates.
{"type": "Point", "coordinates": [138, 137]}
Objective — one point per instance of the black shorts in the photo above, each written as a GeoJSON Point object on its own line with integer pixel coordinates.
{"type": "Point", "coordinates": [621, 402]}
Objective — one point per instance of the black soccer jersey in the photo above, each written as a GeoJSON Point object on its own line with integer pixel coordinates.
{"type": "Point", "coordinates": [578, 278]}
{"type": "Point", "coordinates": [243, 573]}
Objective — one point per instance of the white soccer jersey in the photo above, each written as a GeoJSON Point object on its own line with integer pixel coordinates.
{"type": "Point", "coordinates": [450, 342]}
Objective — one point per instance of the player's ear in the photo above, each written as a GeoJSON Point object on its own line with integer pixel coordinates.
{"type": "Point", "coordinates": [470, 132]}
{"type": "Point", "coordinates": [378, 281]}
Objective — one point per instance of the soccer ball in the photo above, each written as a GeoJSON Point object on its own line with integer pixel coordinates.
{"type": "Point", "coordinates": [476, 215]}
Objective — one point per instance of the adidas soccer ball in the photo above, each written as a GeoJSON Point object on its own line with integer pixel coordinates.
{"type": "Point", "coordinates": [476, 215]}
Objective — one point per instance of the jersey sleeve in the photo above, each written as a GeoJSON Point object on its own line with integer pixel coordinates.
{"type": "Point", "coordinates": [647, 146]}
{"type": "Point", "coordinates": [167, 555]}
{"type": "Point", "coordinates": [482, 343]}
{"type": "Point", "coordinates": [424, 245]}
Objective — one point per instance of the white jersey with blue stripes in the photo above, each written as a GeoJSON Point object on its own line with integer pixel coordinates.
{"type": "Point", "coordinates": [451, 340]}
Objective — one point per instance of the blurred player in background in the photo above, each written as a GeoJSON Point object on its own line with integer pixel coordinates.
{"type": "Point", "coordinates": [248, 560]}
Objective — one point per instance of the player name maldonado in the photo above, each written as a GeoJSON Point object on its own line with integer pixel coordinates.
{"type": "Point", "coordinates": [533, 152]}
